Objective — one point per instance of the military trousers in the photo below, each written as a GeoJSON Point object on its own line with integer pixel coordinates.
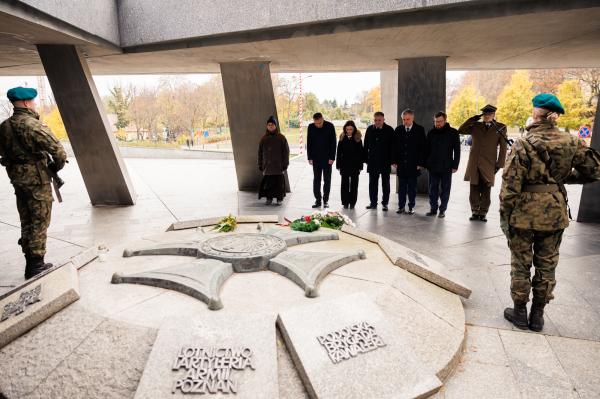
{"type": "Point", "coordinates": [34, 205]}
{"type": "Point", "coordinates": [537, 248]}
{"type": "Point", "coordinates": [479, 197]}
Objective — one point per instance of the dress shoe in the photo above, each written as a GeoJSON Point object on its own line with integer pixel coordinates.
{"type": "Point", "coordinates": [474, 217]}
{"type": "Point", "coordinates": [325, 205]}
{"type": "Point", "coordinates": [371, 206]}
{"type": "Point", "coordinates": [431, 213]}
{"type": "Point", "coordinates": [411, 211]}
{"type": "Point", "coordinates": [316, 205]}
{"type": "Point", "coordinates": [400, 211]}
{"type": "Point", "coordinates": [442, 215]}
{"type": "Point", "coordinates": [384, 208]}
{"type": "Point", "coordinates": [482, 218]}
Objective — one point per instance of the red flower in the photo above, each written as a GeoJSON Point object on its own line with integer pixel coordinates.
{"type": "Point", "coordinates": [307, 219]}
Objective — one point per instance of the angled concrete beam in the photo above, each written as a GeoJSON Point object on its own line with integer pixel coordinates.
{"type": "Point", "coordinates": [589, 208]}
{"type": "Point", "coordinates": [103, 170]}
{"type": "Point", "coordinates": [250, 101]}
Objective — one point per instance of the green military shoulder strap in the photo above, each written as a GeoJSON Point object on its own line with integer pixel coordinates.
{"type": "Point", "coordinates": [540, 147]}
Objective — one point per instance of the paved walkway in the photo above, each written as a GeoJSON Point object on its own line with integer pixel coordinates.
{"type": "Point", "coordinates": [499, 362]}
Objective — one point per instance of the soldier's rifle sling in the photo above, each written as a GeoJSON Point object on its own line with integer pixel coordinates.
{"type": "Point", "coordinates": [509, 142]}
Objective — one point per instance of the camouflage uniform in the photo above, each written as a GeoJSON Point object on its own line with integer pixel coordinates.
{"type": "Point", "coordinates": [533, 208]}
{"type": "Point", "coordinates": [26, 163]}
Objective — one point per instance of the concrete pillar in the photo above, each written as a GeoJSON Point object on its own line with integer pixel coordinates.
{"type": "Point", "coordinates": [389, 96]}
{"type": "Point", "coordinates": [589, 206]}
{"type": "Point", "coordinates": [421, 86]}
{"type": "Point", "coordinates": [103, 170]}
{"type": "Point", "coordinates": [250, 101]}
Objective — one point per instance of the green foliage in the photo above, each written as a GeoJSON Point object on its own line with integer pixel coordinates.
{"type": "Point", "coordinates": [466, 103]}
{"type": "Point", "coordinates": [227, 224]}
{"type": "Point", "coordinates": [303, 225]}
{"type": "Point", "coordinates": [118, 103]}
{"type": "Point", "coordinates": [514, 102]}
{"type": "Point", "coordinates": [332, 222]}
{"type": "Point", "coordinates": [577, 112]}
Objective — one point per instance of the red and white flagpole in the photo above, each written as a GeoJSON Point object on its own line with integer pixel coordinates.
{"type": "Point", "coordinates": [300, 117]}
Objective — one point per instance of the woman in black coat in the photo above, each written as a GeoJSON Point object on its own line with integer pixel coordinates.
{"type": "Point", "coordinates": [273, 161]}
{"type": "Point", "coordinates": [349, 162]}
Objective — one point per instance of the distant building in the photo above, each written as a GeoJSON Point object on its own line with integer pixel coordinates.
{"type": "Point", "coordinates": [131, 131]}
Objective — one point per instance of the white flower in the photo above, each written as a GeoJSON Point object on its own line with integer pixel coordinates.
{"type": "Point", "coordinates": [317, 222]}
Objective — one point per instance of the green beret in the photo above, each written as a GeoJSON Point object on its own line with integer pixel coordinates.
{"type": "Point", "coordinates": [548, 101]}
{"type": "Point", "coordinates": [21, 93]}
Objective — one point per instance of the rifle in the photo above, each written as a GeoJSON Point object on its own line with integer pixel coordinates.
{"type": "Point", "coordinates": [509, 142]}
{"type": "Point", "coordinates": [57, 182]}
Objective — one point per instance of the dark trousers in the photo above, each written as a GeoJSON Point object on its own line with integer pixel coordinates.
{"type": "Point", "coordinates": [436, 180]}
{"type": "Point", "coordinates": [407, 186]}
{"type": "Point", "coordinates": [374, 187]}
{"type": "Point", "coordinates": [349, 188]}
{"type": "Point", "coordinates": [479, 197]}
{"type": "Point", "coordinates": [325, 172]}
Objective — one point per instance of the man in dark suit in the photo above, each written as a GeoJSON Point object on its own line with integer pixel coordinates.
{"type": "Point", "coordinates": [320, 149]}
{"type": "Point", "coordinates": [409, 159]}
{"type": "Point", "coordinates": [442, 159]}
{"type": "Point", "coordinates": [378, 147]}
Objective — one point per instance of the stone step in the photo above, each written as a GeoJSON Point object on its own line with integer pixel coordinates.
{"type": "Point", "coordinates": [416, 263]}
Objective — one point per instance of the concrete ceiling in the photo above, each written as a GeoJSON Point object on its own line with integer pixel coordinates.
{"type": "Point", "coordinates": [545, 39]}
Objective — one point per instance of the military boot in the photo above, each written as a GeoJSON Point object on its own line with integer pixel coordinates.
{"type": "Point", "coordinates": [35, 265]}
{"type": "Point", "coordinates": [536, 316]}
{"type": "Point", "coordinates": [517, 315]}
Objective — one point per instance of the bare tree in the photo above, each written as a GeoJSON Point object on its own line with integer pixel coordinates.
{"type": "Point", "coordinates": [591, 78]}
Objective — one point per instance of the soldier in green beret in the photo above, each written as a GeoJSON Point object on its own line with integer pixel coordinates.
{"type": "Point", "coordinates": [31, 154]}
{"type": "Point", "coordinates": [533, 206]}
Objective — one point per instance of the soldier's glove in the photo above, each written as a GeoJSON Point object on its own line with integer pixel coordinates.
{"type": "Point", "coordinates": [52, 166]}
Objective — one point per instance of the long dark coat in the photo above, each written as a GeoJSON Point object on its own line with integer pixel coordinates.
{"type": "Point", "coordinates": [409, 150]}
{"type": "Point", "coordinates": [484, 157]}
{"type": "Point", "coordinates": [350, 154]}
{"type": "Point", "coordinates": [378, 148]}
{"type": "Point", "coordinates": [273, 154]}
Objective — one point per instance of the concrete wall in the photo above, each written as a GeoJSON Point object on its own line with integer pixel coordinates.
{"type": "Point", "coordinates": [151, 21]}
{"type": "Point", "coordinates": [97, 17]}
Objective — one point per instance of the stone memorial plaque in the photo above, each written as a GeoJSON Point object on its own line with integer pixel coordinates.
{"type": "Point", "coordinates": [424, 267]}
{"type": "Point", "coordinates": [221, 356]}
{"type": "Point", "coordinates": [30, 304]}
{"type": "Point", "coordinates": [346, 348]}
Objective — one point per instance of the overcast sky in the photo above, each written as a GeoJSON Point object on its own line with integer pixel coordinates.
{"type": "Point", "coordinates": [341, 86]}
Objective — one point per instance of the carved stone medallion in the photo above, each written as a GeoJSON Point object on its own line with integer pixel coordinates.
{"type": "Point", "coordinates": [246, 252]}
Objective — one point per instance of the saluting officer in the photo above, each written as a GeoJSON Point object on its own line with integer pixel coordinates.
{"type": "Point", "coordinates": [25, 143]}
{"type": "Point", "coordinates": [484, 159]}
